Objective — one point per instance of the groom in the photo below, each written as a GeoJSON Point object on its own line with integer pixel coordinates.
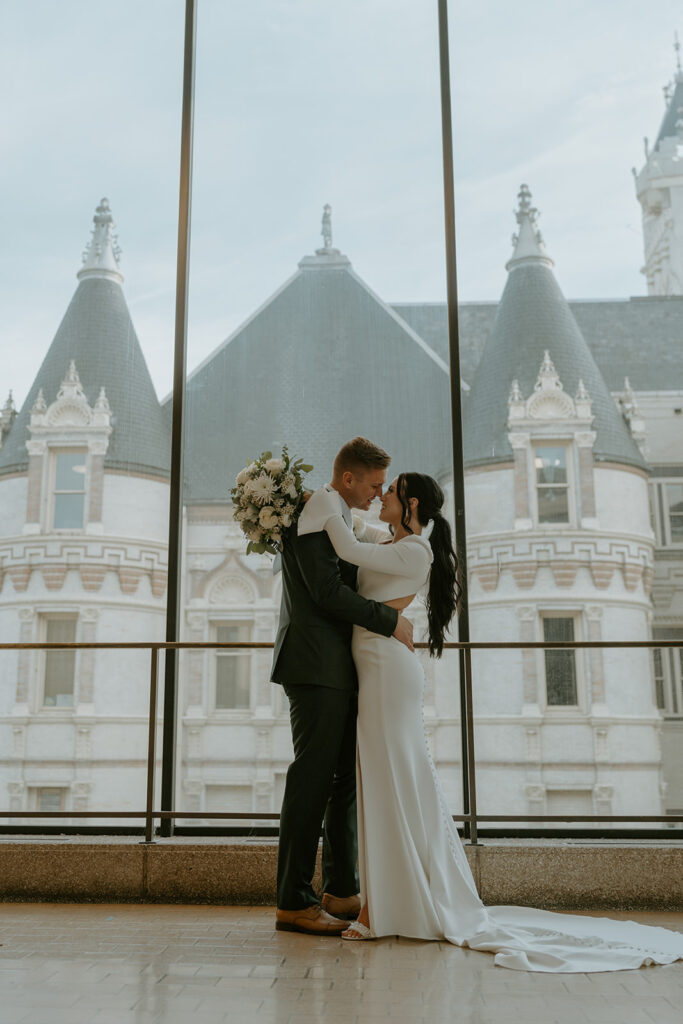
{"type": "Point", "coordinates": [312, 660]}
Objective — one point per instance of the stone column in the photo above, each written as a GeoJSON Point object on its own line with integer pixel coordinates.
{"type": "Point", "coordinates": [595, 655]}
{"type": "Point", "coordinates": [584, 443]}
{"type": "Point", "coordinates": [97, 449]}
{"type": "Point", "coordinates": [527, 634]}
{"type": "Point", "coordinates": [520, 448]}
{"type": "Point", "coordinates": [86, 658]}
{"type": "Point", "coordinates": [24, 660]}
{"type": "Point", "coordinates": [34, 497]}
{"type": "Point", "coordinates": [196, 661]}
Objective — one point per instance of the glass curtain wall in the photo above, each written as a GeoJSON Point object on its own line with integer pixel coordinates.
{"type": "Point", "coordinates": [571, 413]}
{"type": "Point", "coordinates": [87, 311]}
{"type": "Point", "coordinates": [316, 315]}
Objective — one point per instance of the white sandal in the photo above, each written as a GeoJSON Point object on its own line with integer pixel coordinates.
{"type": "Point", "coordinates": [363, 933]}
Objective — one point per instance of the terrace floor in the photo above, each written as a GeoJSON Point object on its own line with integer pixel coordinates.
{"type": "Point", "coordinates": [134, 964]}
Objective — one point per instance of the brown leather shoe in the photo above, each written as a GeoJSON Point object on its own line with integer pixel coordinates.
{"type": "Point", "coordinates": [346, 907]}
{"type": "Point", "coordinates": [311, 920]}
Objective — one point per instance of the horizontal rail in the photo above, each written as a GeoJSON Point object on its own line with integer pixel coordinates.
{"type": "Point", "coordinates": [275, 816]}
{"type": "Point", "coordinates": [472, 645]}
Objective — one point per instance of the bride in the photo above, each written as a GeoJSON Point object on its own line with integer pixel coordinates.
{"type": "Point", "coordinates": [414, 874]}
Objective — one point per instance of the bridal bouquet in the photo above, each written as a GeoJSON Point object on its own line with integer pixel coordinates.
{"type": "Point", "coordinates": [266, 499]}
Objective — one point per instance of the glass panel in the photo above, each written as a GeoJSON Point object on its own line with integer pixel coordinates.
{"type": "Point", "coordinates": [69, 511]}
{"type": "Point", "coordinates": [58, 689]}
{"type": "Point", "coordinates": [308, 308]}
{"type": "Point", "coordinates": [674, 494]}
{"type": "Point", "coordinates": [551, 465]}
{"type": "Point", "coordinates": [51, 799]}
{"type": "Point", "coordinates": [106, 742]}
{"type": "Point", "coordinates": [70, 471]}
{"type": "Point", "coordinates": [89, 325]}
{"type": "Point", "coordinates": [560, 666]}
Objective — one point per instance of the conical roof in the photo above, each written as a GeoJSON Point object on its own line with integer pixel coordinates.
{"type": "Point", "coordinates": [97, 333]}
{"type": "Point", "coordinates": [533, 317]}
{"type": "Point", "coordinates": [674, 110]}
{"type": "Point", "coordinates": [322, 361]}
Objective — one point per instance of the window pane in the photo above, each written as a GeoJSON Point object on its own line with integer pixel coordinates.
{"type": "Point", "coordinates": [560, 666]}
{"type": "Point", "coordinates": [69, 511]}
{"type": "Point", "coordinates": [58, 690]}
{"type": "Point", "coordinates": [50, 799]}
{"type": "Point", "coordinates": [659, 678]}
{"type": "Point", "coordinates": [70, 471]}
{"type": "Point", "coordinates": [551, 465]}
{"type": "Point", "coordinates": [674, 494]}
{"type": "Point", "coordinates": [553, 506]}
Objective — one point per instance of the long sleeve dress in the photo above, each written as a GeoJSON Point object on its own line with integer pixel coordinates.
{"type": "Point", "coordinates": [413, 869]}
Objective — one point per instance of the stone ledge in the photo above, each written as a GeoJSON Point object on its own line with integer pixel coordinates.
{"type": "Point", "coordinates": [542, 873]}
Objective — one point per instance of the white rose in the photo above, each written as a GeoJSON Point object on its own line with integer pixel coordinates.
{"type": "Point", "coordinates": [268, 518]}
{"type": "Point", "coordinates": [242, 477]}
{"type": "Point", "coordinates": [275, 465]}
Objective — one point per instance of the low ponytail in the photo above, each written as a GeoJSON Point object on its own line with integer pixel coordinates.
{"type": "Point", "coordinates": [443, 590]}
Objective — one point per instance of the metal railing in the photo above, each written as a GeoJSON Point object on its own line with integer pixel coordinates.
{"type": "Point", "coordinates": [471, 819]}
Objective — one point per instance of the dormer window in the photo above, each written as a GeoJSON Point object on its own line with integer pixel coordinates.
{"type": "Point", "coordinates": [69, 489]}
{"type": "Point", "coordinates": [552, 488]}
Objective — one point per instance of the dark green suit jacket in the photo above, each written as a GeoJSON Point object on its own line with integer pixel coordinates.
{"type": "Point", "coordinates": [318, 610]}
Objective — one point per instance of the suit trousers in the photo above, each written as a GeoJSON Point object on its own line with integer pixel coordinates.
{"type": "Point", "coordinates": [320, 790]}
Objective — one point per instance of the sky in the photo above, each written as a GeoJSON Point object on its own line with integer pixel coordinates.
{"type": "Point", "coordinates": [306, 102]}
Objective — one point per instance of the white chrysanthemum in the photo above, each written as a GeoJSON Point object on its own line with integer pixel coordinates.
{"type": "Point", "coordinates": [261, 488]}
{"type": "Point", "coordinates": [268, 518]}
{"type": "Point", "coordinates": [275, 465]}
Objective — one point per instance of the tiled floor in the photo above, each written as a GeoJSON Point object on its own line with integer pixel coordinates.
{"type": "Point", "coordinates": [77, 964]}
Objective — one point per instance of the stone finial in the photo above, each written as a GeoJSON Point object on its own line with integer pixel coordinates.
{"type": "Point", "coordinates": [102, 254]}
{"type": "Point", "coordinates": [677, 48]}
{"type": "Point", "coordinates": [633, 417]}
{"type": "Point", "coordinates": [7, 416]}
{"type": "Point", "coordinates": [102, 402]}
{"type": "Point", "coordinates": [582, 402]}
{"type": "Point", "coordinates": [548, 378]}
{"type": "Point", "coordinates": [515, 392]}
{"type": "Point", "coordinates": [326, 229]}
{"type": "Point", "coordinates": [71, 385]}
{"type": "Point", "coordinates": [39, 404]}
{"type": "Point", "coordinates": [528, 241]}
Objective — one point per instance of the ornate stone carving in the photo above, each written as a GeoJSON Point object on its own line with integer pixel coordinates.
{"type": "Point", "coordinates": [231, 590]}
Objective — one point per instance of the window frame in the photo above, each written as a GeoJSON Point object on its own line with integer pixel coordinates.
{"type": "Point", "coordinates": [54, 452]}
{"type": "Point", "coordinates": [44, 619]}
{"type": "Point", "coordinates": [569, 450]}
{"type": "Point", "coordinates": [246, 656]}
{"type": "Point", "coordinates": [576, 615]}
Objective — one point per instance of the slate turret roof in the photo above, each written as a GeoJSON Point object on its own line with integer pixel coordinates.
{"type": "Point", "coordinates": [533, 316]}
{"type": "Point", "coordinates": [323, 360]}
{"type": "Point", "coordinates": [97, 333]}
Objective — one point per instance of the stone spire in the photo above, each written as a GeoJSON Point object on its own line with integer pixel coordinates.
{"type": "Point", "coordinates": [659, 188]}
{"type": "Point", "coordinates": [101, 256]}
{"type": "Point", "coordinates": [8, 415]}
{"type": "Point", "coordinates": [528, 242]}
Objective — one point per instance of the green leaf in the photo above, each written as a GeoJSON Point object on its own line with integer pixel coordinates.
{"type": "Point", "coordinates": [305, 468]}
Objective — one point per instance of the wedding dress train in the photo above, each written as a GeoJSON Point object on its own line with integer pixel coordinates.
{"type": "Point", "coordinates": [414, 873]}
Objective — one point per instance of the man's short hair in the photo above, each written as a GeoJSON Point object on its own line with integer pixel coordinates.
{"type": "Point", "coordinates": [360, 455]}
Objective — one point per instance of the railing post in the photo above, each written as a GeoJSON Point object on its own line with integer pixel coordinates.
{"type": "Point", "coordinates": [455, 384]}
{"type": "Point", "coordinates": [472, 796]}
{"type": "Point", "coordinates": [151, 745]}
{"type": "Point", "coordinates": [175, 519]}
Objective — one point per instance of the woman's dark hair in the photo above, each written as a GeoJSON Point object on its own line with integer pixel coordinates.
{"type": "Point", "coordinates": [444, 590]}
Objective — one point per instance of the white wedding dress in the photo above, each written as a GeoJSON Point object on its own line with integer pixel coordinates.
{"type": "Point", "coordinates": [414, 873]}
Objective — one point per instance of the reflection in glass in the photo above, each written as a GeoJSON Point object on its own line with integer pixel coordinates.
{"type": "Point", "coordinates": [560, 666]}
{"type": "Point", "coordinates": [551, 484]}
{"type": "Point", "coordinates": [58, 689]}
{"type": "Point", "coordinates": [70, 470]}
